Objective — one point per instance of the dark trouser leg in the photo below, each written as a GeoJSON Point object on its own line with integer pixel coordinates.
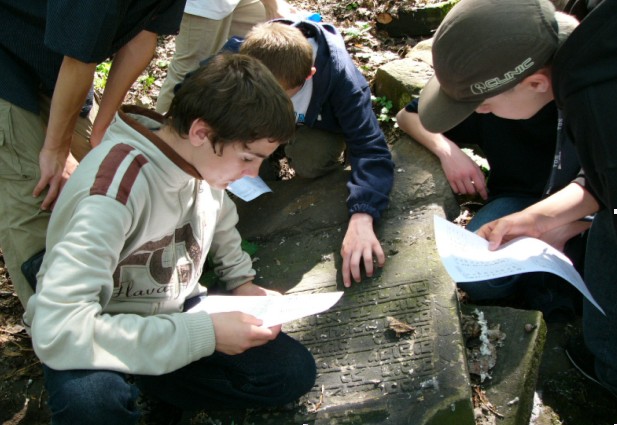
{"type": "Point", "coordinates": [273, 374]}
{"type": "Point", "coordinates": [600, 331]}
{"type": "Point", "coordinates": [314, 153]}
{"type": "Point", "coordinates": [90, 397]}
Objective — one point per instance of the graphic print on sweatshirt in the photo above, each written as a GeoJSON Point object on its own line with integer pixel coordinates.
{"type": "Point", "coordinates": [159, 269]}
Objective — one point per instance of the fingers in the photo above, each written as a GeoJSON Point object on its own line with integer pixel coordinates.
{"type": "Point", "coordinates": [470, 186]}
{"type": "Point", "coordinates": [346, 270]}
{"type": "Point", "coordinates": [40, 186]}
{"type": "Point", "coordinates": [276, 330]}
{"type": "Point", "coordinates": [55, 171]}
{"type": "Point", "coordinates": [478, 181]}
{"type": "Point", "coordinates": [52, 193]}
{"type": "Point", "coordinates": [352, 262]}
{"type": "Point", "coordinates": [381, 256]}
{"type": "Point", "coordinates": [262, 335]}
{"type": "Point", "coordinates": [358, 246]}
{"type": "Point", "coordinates": [481, 188]}
{"type": "Point", "coordinates": [368, 259]}
{"type": "Point", "coordinates": [351, 268]}
{"type": "Point", "coordinates": [493, 232]}
{"type": "Point", "coordinates": [236, 332]}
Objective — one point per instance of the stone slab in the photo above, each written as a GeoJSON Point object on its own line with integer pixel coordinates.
{"type": "Point", "coordinates": [513, 379]}
{"type": "Point", "coordinates": [402, 80]}
{"type": "Point", "coordinates": [415, 20]}
{"type": "Point", "coordinates": [366, 373]}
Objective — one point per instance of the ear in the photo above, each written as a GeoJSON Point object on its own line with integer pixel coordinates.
{"type": "Point", "coordinates": [199, 132]}
{"type": "Point", "coordinates": [313, 71]}
{"type": "Point", "coordinates": [539, 81]}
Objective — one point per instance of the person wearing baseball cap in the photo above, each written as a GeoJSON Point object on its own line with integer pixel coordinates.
{"type": "Point", "coordinates": [484, 54]}
{"type": "Point", "coordinates": [506, 144]}
{"type": "Point", "coordinates": [484, 48]}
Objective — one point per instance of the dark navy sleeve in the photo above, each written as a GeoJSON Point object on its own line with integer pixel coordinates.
{"type": "Point", "coordinates": [167, 20]}
{"type": "Point", "coordinates": [342, 101]}
{"type": "Point", "coordinates": [92, 31]}
{"type": "Point", "coordinates": [372, 169]}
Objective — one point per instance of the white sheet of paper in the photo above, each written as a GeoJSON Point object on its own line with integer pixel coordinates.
{"type": "Point", "coordinates": [248, 188]}
{"type": "Point", "coordinates": [272, 310]}
{"type": "Point", "coordinates": [467, 258]}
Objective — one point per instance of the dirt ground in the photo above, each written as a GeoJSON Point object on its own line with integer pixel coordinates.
{"type": "Point", "coordinates": [564, 397]}
{"type": "Point", "coordinates": [21, 383]}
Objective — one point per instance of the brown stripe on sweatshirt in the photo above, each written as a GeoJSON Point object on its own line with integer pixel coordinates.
{"type": "Point", "coordinates": [109, 168]}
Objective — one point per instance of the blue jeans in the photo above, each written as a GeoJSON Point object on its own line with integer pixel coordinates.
{"type": "Point", "coordinates": [502, 287]}
{"type": "Point", "coordinates": [539, 291]}
{"type": "Point", "coordinates": [267, 376]}
{"type": "Point", "coordinates": [599, 331]}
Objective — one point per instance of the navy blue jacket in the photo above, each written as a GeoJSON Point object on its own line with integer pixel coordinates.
{"type": "Point", "coordinates": [341, 103]}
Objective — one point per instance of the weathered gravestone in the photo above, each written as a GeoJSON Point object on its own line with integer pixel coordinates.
{"type": "Point", "coordinates": [367, 374]}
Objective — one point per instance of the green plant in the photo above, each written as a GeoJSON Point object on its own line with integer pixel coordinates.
{"type": "Point", "coordinates": [100, 75]}
{"type": "Point", "coordinates": [384, 105]}
{"type": "Point", "coordinates": [146, 81]}
{"type": "Point", "coordinates": [356, 31]}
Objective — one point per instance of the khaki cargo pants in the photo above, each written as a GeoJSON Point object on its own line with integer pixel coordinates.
{"type": "Point", "coordinates": [22, 224]}
{"type": "Point", "coordinates": [200, 38]}
{"type": "Point", "coordinates": [314, 152]}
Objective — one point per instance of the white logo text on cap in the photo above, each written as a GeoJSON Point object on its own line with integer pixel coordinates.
{"type": "Point", "coordinates": [495, 83]}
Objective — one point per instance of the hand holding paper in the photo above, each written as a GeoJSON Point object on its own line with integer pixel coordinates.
{"type": "Point", "coordinates": [272, 310]}
{"type": "Point", "coordinates": [467, 258]}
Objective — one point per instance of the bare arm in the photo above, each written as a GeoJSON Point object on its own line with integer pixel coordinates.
{"type": "Point", "coordinates": [128, 63]}
{"type": "Point", "coordinates": [236, 332]}
{"type": "Point", "coordinates": [55, 160]}
{"type": "Point", "coordinates": [542, 218]}
{"type": "Point", "coordinates": [463, 174]}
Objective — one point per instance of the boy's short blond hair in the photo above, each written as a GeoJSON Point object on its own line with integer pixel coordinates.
{"type": "Point", "coordinates": [238, 97]}
{"type": "Point", "coordinates": [283, 49]}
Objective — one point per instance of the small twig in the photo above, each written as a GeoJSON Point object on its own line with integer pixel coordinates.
{"type": "Point", "coordinates": [315, 407]}
{"type": "Point", "coordinates": [41, 397]}
{"type": "Point", "coordinates": [19, 371]}
{"type": "Point", "coordinates": [27, 349]}
{"type": "Point", "coordinates": [482, 401]}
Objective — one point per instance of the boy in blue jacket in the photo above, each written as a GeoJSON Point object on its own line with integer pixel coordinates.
{"type": "Point", "coordinates": [332, 102]}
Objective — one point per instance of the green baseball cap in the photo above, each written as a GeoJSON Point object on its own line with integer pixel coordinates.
{"type": "Point", "coordinates": [481, 49]}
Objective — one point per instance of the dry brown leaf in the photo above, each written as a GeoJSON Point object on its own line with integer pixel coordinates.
{"type": "Point", "coordinates": [400, 328]}
{"type": "Point", "coordinates": [384, 18]}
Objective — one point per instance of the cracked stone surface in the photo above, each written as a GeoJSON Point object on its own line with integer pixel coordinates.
{"type": "Point", "coordinates": [366, 373]}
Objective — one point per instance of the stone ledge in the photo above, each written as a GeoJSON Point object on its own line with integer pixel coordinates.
{"type": "Point", "coordinates": [512, 386]}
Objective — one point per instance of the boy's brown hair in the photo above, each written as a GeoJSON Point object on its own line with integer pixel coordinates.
{"type": "Point", "coordinates": [238, 97]}
{"type": "Point", "coordinates": [283, 49]}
